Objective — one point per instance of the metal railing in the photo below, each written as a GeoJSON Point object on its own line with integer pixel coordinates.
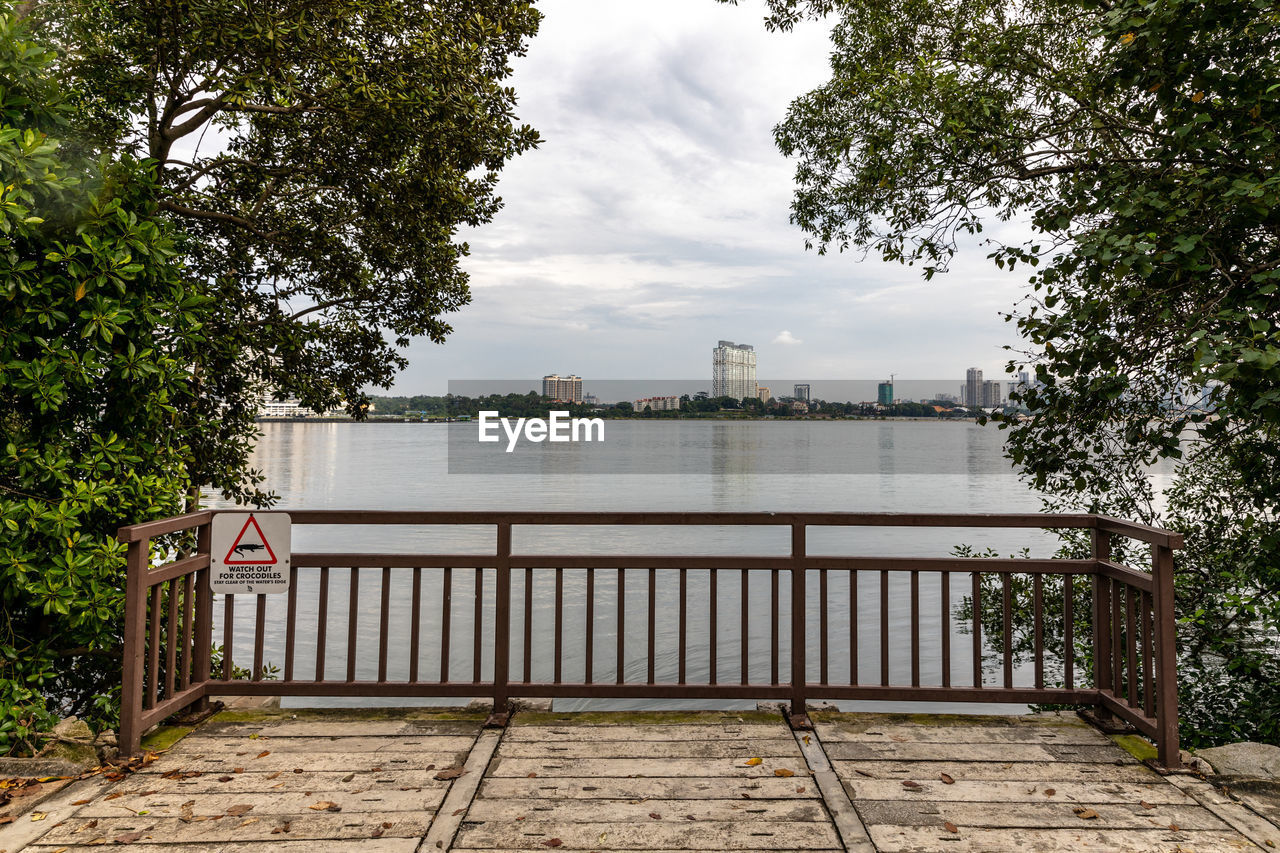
{"type": "Point", "coordinates": [169, 631]}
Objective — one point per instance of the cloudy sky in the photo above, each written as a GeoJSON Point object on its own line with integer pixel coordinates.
{"type": "Point", "coordinates": [652, 221]}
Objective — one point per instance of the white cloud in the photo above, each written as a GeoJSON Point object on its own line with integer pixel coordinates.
{"type": "Point", "coordinates": [653, 220]}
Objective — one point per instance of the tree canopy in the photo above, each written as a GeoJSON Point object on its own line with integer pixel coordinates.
{"type": "Point", "coordinates": [320, 157]}
{"type": "Point", "coordinates": [1138, 141]}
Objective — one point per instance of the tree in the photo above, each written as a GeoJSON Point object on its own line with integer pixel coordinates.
{"type": "Point", "coordinates": [322, 156]}
{"type": "Point", "coordinates": [1139, 141]}
{"type": "Point", "coordinates": [99, 332]}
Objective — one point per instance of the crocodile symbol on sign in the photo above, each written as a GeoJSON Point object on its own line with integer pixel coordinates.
{"type": "Point", "coordinates": [240, 549]}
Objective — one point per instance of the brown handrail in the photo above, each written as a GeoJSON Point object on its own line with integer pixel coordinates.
{"type": "Point", "coordinates": [169, 618]}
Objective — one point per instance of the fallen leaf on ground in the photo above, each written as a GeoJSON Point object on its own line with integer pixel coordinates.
{"type": "Point", "coordinates": [38, 815]}
{"type": "Point", "coordinates": [533, 775]}
{"type": "Point", "coordinates": [449, 773]}
{"type": "Point", "coordinates": [946, 777]}
{"type": "Point", "coordinates": [1174, 827]}
{"type": "Point", "coordinates": [325, 806]}
{"type": "Point", "coordinates": [114, 795]}
{"type": "Point", "coordinates": [239, 809]}
{"type": "Point", "coordinates": [552, 842]}
{"type": "Point", "coordinates": [752, 762]}
{"type": "Point", "coordinates": [81, 802]}
{"type": "Point", "coordinates": [348, 777]}
{"type": "Point", "coordinates": [800, 790]}
{"type": "Point", "coordinates": [457, 812]}
{"type": "Point", "coordinates": [1085, 813]}
{"type": "Point", "coordinates": [264, 753]}
{"type": "Point", "coordinates": [273, 775]}
{"type": "Point", "coordinates": [910, 784]}
{"type": "Point", "coordinates": [248, 821]}
{"type": "Point", "coordinates": [1146, 805]}
{"type": "Point", "coordinates": [128, 837]}
{"type": "Point", "coordinates": [224, 778]}
{"type": "Point", "coordinates": [655, 815]}
{"type": "Point", "coordinates": [783, 772]}
{"type": "Point", "coordinates": [806, 740]}
{"type": "Point", "coordinates": [950, 827]}
{"type": "Point", "coordinates": [1049, 792]}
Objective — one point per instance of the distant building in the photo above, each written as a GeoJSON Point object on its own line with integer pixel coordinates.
{"type": "Point", "coordinates": [947, 398]}
{"type": "Point", "coordinates": [764, 393]}
{"type": "Point", "coordinates": [972, 392]}
{"type": "Point", "coordinates": [270, 407]}
{"type": "Point", "coordinates": [590, 400]}
{"type": "Point", "coordinates": [801, 393]}
{"type": "Point", "coordinates": [992, 394]}
{"type": "Point", "coordinates": [658, 404]}
{"type": "Point", "coordinates": [799, 407]}
{"type": "Point", "coordinates": [733, 371]}
{"type": "Point", "coordinates": [562, 389]}
{"type": "Point", "coordinates": [884, 394]}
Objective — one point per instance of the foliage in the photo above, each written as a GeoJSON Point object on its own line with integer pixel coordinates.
{"type": "Point", "coordinates": [1139, 141]}
{"type": "Point", "coordinates": [322, 156]}
{"type": "Point", "coordinates": [98, 332]}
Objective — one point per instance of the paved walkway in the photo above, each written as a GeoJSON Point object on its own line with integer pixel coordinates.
{"type": "Point", "coordinates": [406, 781]}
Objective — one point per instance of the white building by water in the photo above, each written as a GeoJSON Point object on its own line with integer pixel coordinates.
{"type": "Point", "coordinates": [733, 371]}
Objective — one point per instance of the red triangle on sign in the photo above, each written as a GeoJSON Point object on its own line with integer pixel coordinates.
{"type": "Point", "coordinates": [236, 554]}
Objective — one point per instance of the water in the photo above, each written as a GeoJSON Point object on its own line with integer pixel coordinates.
{"type": "Point", "coordinates": [899, 466]}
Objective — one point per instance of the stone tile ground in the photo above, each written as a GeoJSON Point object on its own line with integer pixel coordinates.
{"type": "Point", "coordinates": [418, 780]}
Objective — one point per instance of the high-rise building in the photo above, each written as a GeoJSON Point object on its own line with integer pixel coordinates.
{"type": "Point", "coordinates": [973, 387]}
{"type": "Point", "coordinates": [733, 371]}
{"type": "Point", "coordinates": [765, 394]}
{"type": "Point", "coordinates": [657, 404]}
{"type": "Point", "coordinates": [562, 389]}
{"type": "Point", "coordinates": [801, 392]}
{"type": "Point", "coordinates": [884, 394]}
{"type": "Point", "coordinates": [992, 394]}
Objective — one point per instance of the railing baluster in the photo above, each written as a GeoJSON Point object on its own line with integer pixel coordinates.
{"type": "Point", "coordinates": [171, 635]}
{"type": "Point", "coordinates": [684, 626]}
{"type": "Point", "coordinates": [501, 622]}
{"type": "Point", "coordinates": [976, 631]}
{"type": "Point", "coordinates": [322, 621]}
{"type": "Point", "coordinates": [1007, 606]}
{"type": "Point", "coordinates": [799, 646]}
{"type": "Point", "coordinates": [153, 650]}
{"type": "Point", "coordinates": [1131, 643]}
{"type": "Point", "coordinates": [259, 636]}
{"type": "Point", "coordinates": [291, 623]}
{"type": "Point", "coordinates": [1101, 618]}
{"type": "Point", "coordinates": [384, 622]}
{"type": "Point", "coordinates": [774, 617]}
{"type": "Point", "coordinates": [915, 629]}
{"type": "Point", "coordinates": [620, 675]}
{"type": "Point", "coordinates": [944, 596]}
{"type": "Point", "coordinates": [744, 630]}
{"type": "Point", "coordinates": [591, 624]}
{"type": "Point", "coordinates": [1037, 619]}
{"type": "Point", "coordinates": [188, 627]}
{"type": "Point", "coordinates": [1068, 631]}
{"type": "Point", "coordinates": [712, 600]}
{"type": "Point", "coordinates": [1148, 657]}
{"type": "Point", "coordinates": [353, 621]}
{"type": "Point", "coordinates": [477, 630]}
{"type": "Point", "coordinates": [446, 621]}
{"type": "Point", "coordinates": [415, 624]}
{"type": "Point", "coordinates": [1117, 639]}
{"type": "Point", "coordinates": [822, 626]}
{"type": "Point", "coordinates": [528, 625]}
{"type": "Point", "coordinates": [652, 628]}
{"type": "Point", "coordinates": [228, 635]}
{"type": "Point", "coordinates": [135, 627]}
{"type": "Point", "coordinates": [884, 628]}
{"type": "Point", "coordinates": [853, 626]}
{"type": "Point", "coordinates": [203, 637]}
{"type": "Point", "coordinates": [559, 627]}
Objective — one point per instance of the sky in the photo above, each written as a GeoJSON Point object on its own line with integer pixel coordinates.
{"type": "Point", "coordinates": [652, 222]}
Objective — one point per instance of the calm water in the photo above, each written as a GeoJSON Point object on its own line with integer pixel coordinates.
{"type": "Point", "coordinates": [901, 466]}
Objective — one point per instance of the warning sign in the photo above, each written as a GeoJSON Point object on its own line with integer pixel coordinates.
{"type": "Point", "coordinates": [249, 553]}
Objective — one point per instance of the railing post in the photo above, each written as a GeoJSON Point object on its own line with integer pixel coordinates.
{"type": "Point", "coordinates": [798, 670]}
{"type": "Point", "coordinates": [1166, 657]}
{"type": "Point", "coordinates": [502, 628]}
{"type": "Point", "coordinates": [1101, 619]}
{"type": "Point", "coordinates": [135, 631]}
{"type": "Point", "coordinates": [202, 637]}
